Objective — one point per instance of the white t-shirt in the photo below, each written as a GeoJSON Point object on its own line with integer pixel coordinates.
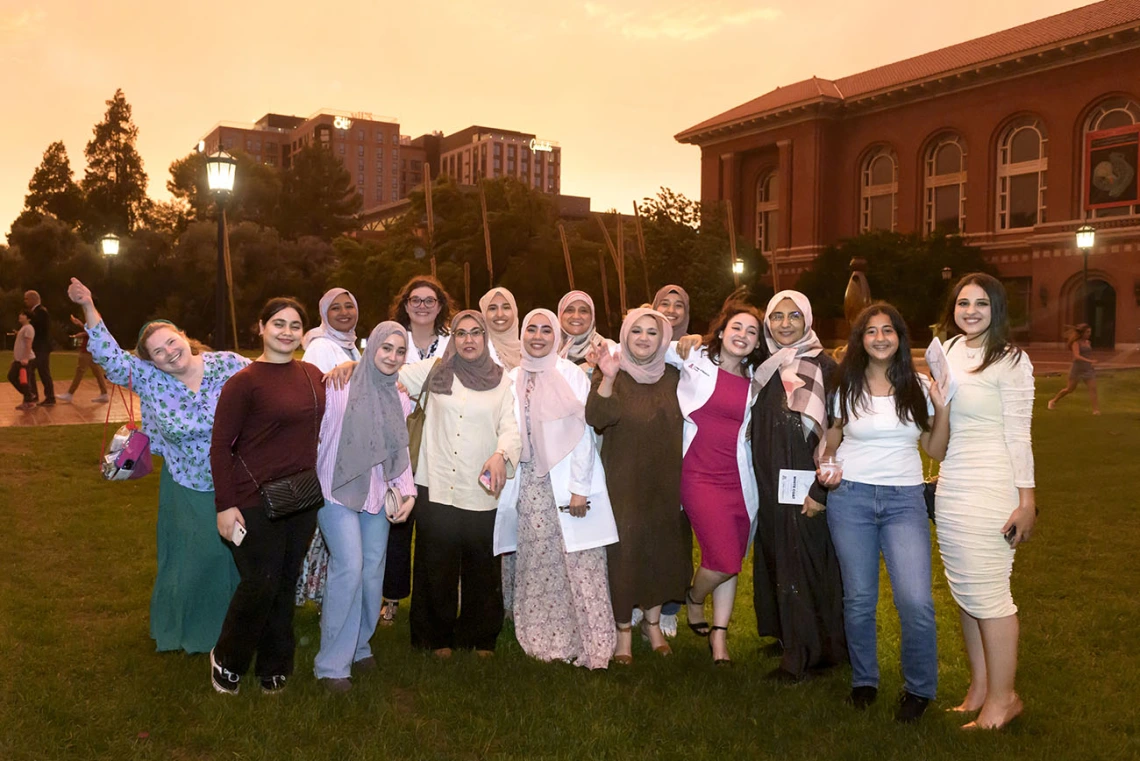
{"type": "Point", "coordinates": [877, 448]}
{"type": "Point", "coordinates": [327, 354]}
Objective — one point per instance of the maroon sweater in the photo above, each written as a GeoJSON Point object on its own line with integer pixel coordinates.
{"type": "Point", "coordinates": [265, 414]}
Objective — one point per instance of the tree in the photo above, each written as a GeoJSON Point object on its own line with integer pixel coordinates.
{"type": "Point", "coordinates": [256, 194]}
{"type": "Point", "coordinates": [52, 189]}
{"type": "Point", "coordinates": [318, 197]}
{"type": "Point", "coordinates": [115, 182]}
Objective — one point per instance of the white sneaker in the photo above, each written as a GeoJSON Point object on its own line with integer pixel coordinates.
{"type": "Point", "coordinates": [63, 397]}
{"type": "Point", "coordinates": [101, 399]}
{"type": "Point", "coordinates": [669, 625]}
{"type": "Point", "coordinates": [637, 616]}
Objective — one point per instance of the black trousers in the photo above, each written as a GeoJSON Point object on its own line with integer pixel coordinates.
{"type": "Point", "coordinates": [42, 365]}
{"type": "Point", "coordinates": [398, 565]}
{"type": "Point", "coordinates": [14, 379]}
{"type": "Point", "coordinates": [455, 547]}
{"type": "Point", "coordinates": [260, 616]}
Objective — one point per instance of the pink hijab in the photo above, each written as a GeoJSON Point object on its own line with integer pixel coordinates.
{"type": "Point", "coordinates": [650, 370]}
{"type": "Point", "coordinates": [557, 416]}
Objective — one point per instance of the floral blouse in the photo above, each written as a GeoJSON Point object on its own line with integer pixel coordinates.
{"type": "Point", "coordinates": [177, 420]}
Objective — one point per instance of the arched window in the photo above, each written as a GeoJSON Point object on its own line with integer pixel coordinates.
{"type": "Point", "coordinates": [1022, 163]}
{"type": "Point", "coordinates": [879, 187]}
{"type": "Point", "coordinates": [1109, 114]}
{"type": "Point", "coordinates": [946, 185]}
{"type": "Point", "coordinates": [767, 206]}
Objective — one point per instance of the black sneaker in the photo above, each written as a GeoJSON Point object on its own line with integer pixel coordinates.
{"type": "Point", "coordinates": [862, 697]}
{"type": "Point", "coordinates": [225, 681]}
{"type": "Point", "coordinates": [271, 685]}
{"type": "Point", "coordinates": [911, 708]}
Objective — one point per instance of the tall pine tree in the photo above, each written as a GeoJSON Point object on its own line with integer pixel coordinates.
{"type": "Point", "coordinates": [53, 190]}
{"type": "Point", "coordinates": [115, 183]}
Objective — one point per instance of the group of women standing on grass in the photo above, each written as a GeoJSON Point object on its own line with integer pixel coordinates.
{"type": "Point", "coordinates": [589, 466]}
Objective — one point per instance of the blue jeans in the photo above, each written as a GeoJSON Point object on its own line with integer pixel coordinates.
{"type": "Point", "coordinates": [865, 519]}
{"type": "Point", "coordinates": [358, 544]}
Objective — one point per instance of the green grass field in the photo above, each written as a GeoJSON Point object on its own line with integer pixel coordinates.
{"type": "Point", "coordinates": [79, 678]}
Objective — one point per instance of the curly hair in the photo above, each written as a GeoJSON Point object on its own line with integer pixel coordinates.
{"type": "Point", "coordinates": [447, 306]}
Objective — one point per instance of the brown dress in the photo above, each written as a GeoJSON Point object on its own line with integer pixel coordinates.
{"type": "Point", "coordinates": [641, 427]}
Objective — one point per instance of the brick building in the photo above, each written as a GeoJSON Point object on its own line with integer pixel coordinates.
{"type": "Point", "coordinates": [1013, 140]}
{"type": "Point", "coordinates": [476, 152]}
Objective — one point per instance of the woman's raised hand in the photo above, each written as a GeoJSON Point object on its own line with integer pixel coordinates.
{"type": "Point", "coordinates": [687, 343]}
{"type": "Point", "coordinates": [340, 375]}
{"type": "Point", "coordinates": [79, 293]}
{"type": "Point", "coordinates": [605, 361]}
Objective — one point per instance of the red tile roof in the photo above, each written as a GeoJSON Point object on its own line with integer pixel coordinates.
{"type": "Point", "coordinates": [1044, 33]}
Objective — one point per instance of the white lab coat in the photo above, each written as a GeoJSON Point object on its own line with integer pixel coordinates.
{"type": "Point", "coordinates": [698, 380]}
{"type": "Point", "coordinates": [580, 472]}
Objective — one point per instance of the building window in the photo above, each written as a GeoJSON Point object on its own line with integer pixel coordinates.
{"type": "Point", "coordinates": [360, 164]}
{"type": "Point", "coordinates": [360, 179]}
{"type": "Point", "coordinates": [360, 150]}
{"type": "Point", "coordinates": [1110, 114]}
{"type": "Point", "coordinates": [946, 185]}
{"type": "Point", "coordinates": [379, 136]}
{"type": "Point", "coordinates": [879, 189]}
{"type": "Point", "coordinates": [1022, 164]}
{"type": "Point", "coordinates": [340, 148]}
{"type": "Point", "coordinates": [767, 204]}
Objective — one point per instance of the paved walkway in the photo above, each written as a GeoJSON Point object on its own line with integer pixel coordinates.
{"type": "Point", "coordinates": [80, 410]}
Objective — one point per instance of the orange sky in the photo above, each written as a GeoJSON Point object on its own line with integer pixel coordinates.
{"type": "Point", "coordinates": [611, 80]}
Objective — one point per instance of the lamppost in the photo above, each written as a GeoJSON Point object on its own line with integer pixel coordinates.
{"type": "Point", "coordinates": [947, 274]}
{"type": "Point", "coordinates": [220, 170]}
{"type": "Point", "coordinates": [1086, 237]}
{"type": "Point", "coordinates": [110, 245]}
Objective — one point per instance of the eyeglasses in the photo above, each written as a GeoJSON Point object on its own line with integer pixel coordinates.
{"type": "Point", "coordinates": [475, 333]}
{"type": "Point", "coordinates": [429, 302]}
{"type": "Point", "coordinates": [775, 318]}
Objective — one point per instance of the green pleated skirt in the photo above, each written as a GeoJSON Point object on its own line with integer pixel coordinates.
{"type": "Point", "coordinates": [196, 573]}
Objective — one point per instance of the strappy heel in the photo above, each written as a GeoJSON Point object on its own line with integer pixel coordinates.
{"type": "Point", "coordinates": [624, 659]}
{"type": "Point", "coordinates": [662, 649]}
{"type": "Point", "coordinates": [699, 628]}
{"type": "Point", "coordinates": [719, 661]}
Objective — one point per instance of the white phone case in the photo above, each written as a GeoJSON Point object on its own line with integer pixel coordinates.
{"type": "Point", "coordinates": [238, 534]}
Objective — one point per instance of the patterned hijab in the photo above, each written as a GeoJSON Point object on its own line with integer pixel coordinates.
{"type": "Point", "coordinates": [678, 330]}
{"type": "Point", "coordinates": [802, 378]}
{"type": "Point", "coordinates": [506, 342]}
{"type": "Point", "coordinates": [651, 369]}
{"type": "Point", "coordinates": [574, 348]}
{"type": "Point", "coordinates": [557, 417]}
{"type": "Point", "coordinates": [346, 341]}
{"type": "Point", "coordinates": [479, 374]}
{"type": "Point", "coordinates": [374, 431]}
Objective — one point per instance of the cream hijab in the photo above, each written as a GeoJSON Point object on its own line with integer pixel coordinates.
{"type": "Point", "coordinates": [506, 341]}
{"type": "Point", "coordinates": [557, 416]}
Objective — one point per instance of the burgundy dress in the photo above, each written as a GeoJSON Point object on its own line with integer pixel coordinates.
{"type": "Point", "coordinates": [711, 492]}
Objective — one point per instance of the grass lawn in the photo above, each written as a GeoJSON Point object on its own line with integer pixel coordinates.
{"type": "Point", "coordinates": [79, 678]}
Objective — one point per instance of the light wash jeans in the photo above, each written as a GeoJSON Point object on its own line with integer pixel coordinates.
{"type": "Point", "coordinates": [865, 520]}
{"type": "Point", "coordinates": [358, 545]}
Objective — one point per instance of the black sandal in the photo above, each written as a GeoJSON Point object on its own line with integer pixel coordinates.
{"type": "Point", "coordinates": [719, 661]}
{"type": "Point", "coordinates": [700, 628]}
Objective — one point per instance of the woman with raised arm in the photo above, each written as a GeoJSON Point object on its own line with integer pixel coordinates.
{"type": "Point", "coordinates": [267, 428]}
{"type": "Point", "coordinates": [797, 590]}
{"type": "Point", "coordinates": [633, 405]}
{"type": "Point", "coordinates": [556, 510]}
{"type": "Point", "coordinates": [986, 504]}
{"type": "Point", "coordinates": [1078, 339]}
{"type": "Point", "coordinates": [882, 410]}
{"type": "Point", "coordinates": [470, 439]}
{"type": "Point", "coordinates": [424, 308]}
{"type": "Point", "coordinates": [178, 381]}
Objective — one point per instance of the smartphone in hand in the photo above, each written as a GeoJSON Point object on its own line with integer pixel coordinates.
{"type": "Point", "coordinates": [238, 534]}
{"type": "Point", "coordinates": [1011, 535]}
{"type": "Point", "coordinates": [485, 479]}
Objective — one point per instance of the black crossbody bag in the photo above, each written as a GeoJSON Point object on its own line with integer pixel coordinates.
{"type": "Point", "coordinates": [296, 493]}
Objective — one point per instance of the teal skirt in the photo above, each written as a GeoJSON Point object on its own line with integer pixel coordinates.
{"type": "Point", "coordinates": [196, 572]}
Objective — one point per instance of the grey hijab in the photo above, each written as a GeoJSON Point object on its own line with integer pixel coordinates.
{"type": "Point", "coordinates": [373, 432]}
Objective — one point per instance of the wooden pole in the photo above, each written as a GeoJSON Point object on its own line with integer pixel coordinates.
{"type": "Point", "coordinates": [487, 237]}
{"type": "Point", "coordinates": [605, 289]}
{"type": "Point", "coordinates": [466, 285]}
{"type": "Point", "coordinates": [430, 223]}
{"type": "Point", "coordinates": [566, 254]}
{"type": "Point", "coordinates": [613, 256]}
{"type": "Point", "coordinates": [641, 251]}
{"type": "Point", "coordinates": [731, 240]}
{"type": "Point", "coordinates": [621, 266]}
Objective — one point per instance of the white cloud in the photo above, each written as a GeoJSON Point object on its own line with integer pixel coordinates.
{"type": "Point", "coordinates": [684, 23]}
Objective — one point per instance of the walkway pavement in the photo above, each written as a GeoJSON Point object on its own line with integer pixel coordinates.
{"type": "Point", "coordinates": [80, 410]}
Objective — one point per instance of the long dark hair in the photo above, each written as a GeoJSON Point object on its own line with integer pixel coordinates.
{"type": "Point", "coordinates": [910, 401]}
{"type": "Point", "coordinates": [399, 309]}
{"type": "Point", "coordinates": [713, 341]}
{"type": "Point", "coordinates": [279, 304]}
{"type": "Point", "coordinates": [998, 345]}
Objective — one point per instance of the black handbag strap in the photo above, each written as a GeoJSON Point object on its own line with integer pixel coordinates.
{"type": "Point", "coordinates": [316, 427]}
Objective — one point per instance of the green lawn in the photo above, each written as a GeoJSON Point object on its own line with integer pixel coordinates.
{"type": "Point", "coordinates": [79, 678]}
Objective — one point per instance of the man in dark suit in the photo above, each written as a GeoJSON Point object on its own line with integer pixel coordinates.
{"type": "Point", "coordinates": [41, 345]}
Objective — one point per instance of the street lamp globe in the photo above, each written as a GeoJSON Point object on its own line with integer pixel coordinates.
{"type": "Point", "coordinates": [220, 170]}
{"type": "Point", "coordinates": [1086, 236]}
{"type": "Point", "coordinates": [110, 244]}
{"type": "Point", "coordinates": [738, 267]}
{"type": "Point", "coordinates": [947, 273]}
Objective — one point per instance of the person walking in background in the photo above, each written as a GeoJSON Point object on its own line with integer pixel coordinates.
{"type": "Point", "coordinates": [266, 428]}
{"type": "Point", "coordinates": [85, 363]}
{"type": "Point", "coordinates": [41, 345]}
{"type": "Point", "coordinates": [986, 504]}
{"type": "Point", "coordinates": [178, 382]}
{"type": "Point", "coordinates": [882, 410]}
{"type": "Point", "coordinates": [424, 309]}
{"type": "Point", "coordinates": [1078, 339]}
{"type": "Point", "coordinates": [19, 374]}
{"type": "Point", "coordinates": [331, 343]}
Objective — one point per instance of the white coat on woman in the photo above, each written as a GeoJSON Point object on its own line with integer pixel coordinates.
{"type": "Point", "coordinates": [580, 472]}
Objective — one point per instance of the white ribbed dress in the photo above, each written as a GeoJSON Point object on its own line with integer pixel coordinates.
{"type": "Point", "coordinates": [989, 456]}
